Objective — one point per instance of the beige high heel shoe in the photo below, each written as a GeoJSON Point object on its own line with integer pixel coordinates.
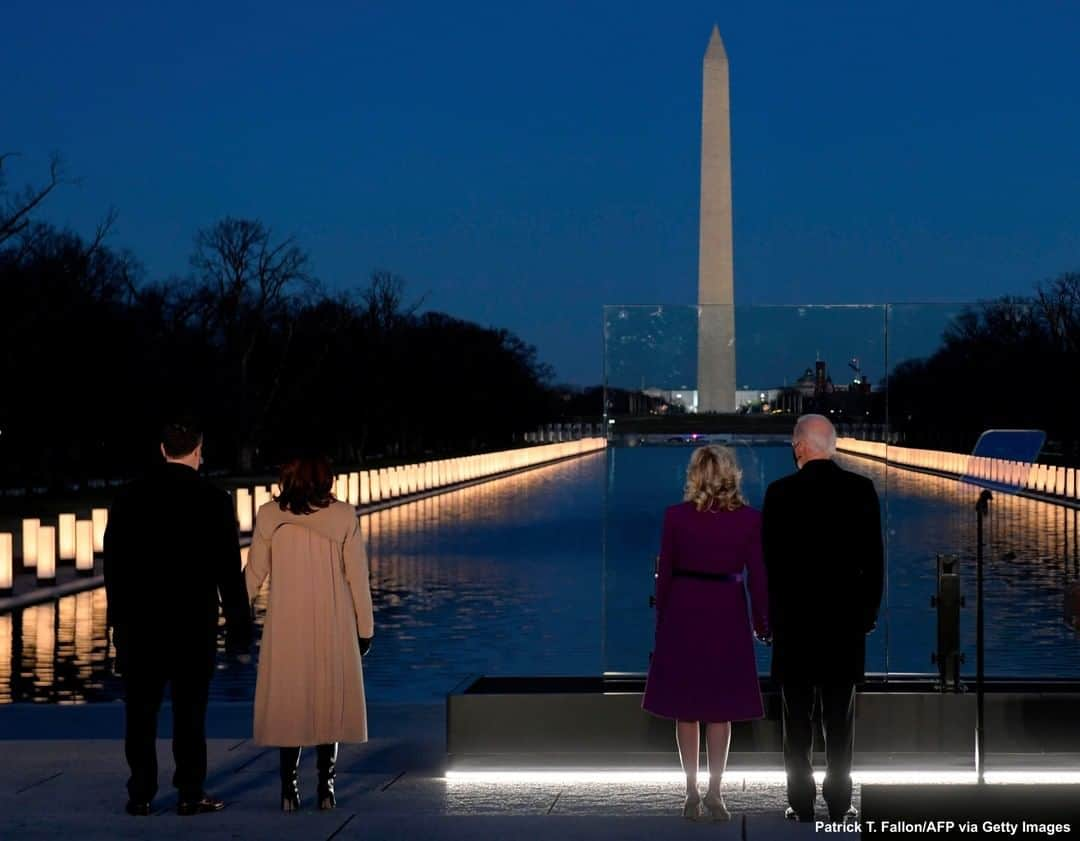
{"type": "Point", "coordinates": [718, 810]}
{"type": "Point", "coordinates": [691, 809]}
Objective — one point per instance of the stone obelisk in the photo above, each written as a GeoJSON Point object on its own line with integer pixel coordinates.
{"type": "Point", "coordinates": [716, 298]}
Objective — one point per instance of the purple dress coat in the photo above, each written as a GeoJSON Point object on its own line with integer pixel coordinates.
{"type": "Point", "coordinates": [703, 667]}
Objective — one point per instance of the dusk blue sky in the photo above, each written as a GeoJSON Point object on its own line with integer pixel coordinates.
{"type": "Point", "coordinates": [522, 164]}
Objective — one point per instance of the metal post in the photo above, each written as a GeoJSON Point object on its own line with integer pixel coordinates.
{"type": "Point", "coordinates": [982, 507]}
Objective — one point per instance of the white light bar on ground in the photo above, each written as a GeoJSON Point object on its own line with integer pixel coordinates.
{"type": "Point", "coordinates": [877, 776]}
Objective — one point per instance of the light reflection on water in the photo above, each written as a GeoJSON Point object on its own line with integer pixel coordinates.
{"type": "Point", "coordinates": [1031, 561]}
{"type": "Point", "coordinates": [499, 578]}
{"type": "Point", "coordinates": [508, 577]}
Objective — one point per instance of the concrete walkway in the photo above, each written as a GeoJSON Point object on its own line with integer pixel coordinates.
{"type": "Point", "coordinates": [63, 776]}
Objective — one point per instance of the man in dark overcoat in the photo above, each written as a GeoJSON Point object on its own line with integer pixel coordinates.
{"type": "Point", "coordinates": [825, 562]}
{"type": "Point", "coordinates": [172, 561]}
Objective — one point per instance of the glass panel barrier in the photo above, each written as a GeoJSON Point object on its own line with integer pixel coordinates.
{"type": "Point", "coordinates": [786, 361]}
{"type": "Point", "coordinates": [956, 372]}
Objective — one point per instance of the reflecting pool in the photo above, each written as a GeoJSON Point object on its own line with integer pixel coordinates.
{"type": "Point", "coordinates": [549, 572]}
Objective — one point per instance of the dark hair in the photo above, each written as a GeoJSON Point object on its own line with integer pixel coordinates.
{"type": "Point", "coordinates": [306, 483]}
{"type": "Point", "coordinates": [180, 437]}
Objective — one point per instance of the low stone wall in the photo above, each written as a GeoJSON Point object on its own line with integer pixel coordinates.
{"type": "Point", "coordinates": [1062, 482]}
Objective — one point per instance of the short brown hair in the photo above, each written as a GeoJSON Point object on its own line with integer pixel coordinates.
{"type": "Point", "coordinates": [180, 437]}
{"type": "Point", "coordinates": [306, 483]}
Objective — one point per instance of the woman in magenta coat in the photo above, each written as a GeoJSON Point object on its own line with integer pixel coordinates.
{"type": "Point", "coordinates": [703, 667]}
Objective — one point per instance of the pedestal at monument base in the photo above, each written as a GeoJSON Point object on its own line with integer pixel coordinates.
{"type": "Point", "coordinates": [597, 722]}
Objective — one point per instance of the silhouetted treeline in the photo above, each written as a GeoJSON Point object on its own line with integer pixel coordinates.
{"type": "Point", "coordinates": [1010, 363]}
{"type": "Point", "coordinates": [93, 357]}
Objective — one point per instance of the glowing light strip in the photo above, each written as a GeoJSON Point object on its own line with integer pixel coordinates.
{"type": "Point", "coordinates": [762, 776]}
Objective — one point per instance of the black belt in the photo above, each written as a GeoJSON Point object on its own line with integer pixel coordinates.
{"type": "Point", "coordinates": [708, 576]}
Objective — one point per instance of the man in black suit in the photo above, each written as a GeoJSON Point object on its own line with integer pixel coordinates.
{"type": "Point", "coordinates": [172, 557]}
{"type": "Point", "coordinates": [825, 562]}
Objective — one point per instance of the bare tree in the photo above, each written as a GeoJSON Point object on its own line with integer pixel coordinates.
{"type": "Point", "coordinates": [248, 287]}
{"type": "Point", "coordinates": [16, 209]}
{"type": "Point", "coordinates": [383, 301]}
{"type": "Point", "coordinates": [1059, 303]}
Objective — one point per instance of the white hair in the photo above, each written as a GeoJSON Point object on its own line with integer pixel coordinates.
{"type": "Point", "coordinates": [817, 432]}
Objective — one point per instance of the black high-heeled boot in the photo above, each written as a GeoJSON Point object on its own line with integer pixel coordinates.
{"type": "Point", "coordinates": [326, 757]}
{"type": "Point", "coordinates": [290, 779]}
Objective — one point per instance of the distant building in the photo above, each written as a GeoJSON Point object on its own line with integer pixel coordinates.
{"type": "Point", "coordinates": [681, 399]}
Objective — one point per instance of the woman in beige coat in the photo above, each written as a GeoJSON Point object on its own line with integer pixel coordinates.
{"type": "Point", "coordinates": [310, 685]}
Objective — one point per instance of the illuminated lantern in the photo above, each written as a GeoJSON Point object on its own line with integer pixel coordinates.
{"type": "Point", "coordinates": [30, 542]}
{"type": "Point", "coordinates": [46, 565]}
{"type": "Point", "coordinates": [6, 640]}
{"type": "Point", "coordinates": [341, 487]}
{"type": "Point", "coordinates": [243, 509]}
{"type": "Point", "coordinates": [7, 562]}
{"type": "Point", "coordinates": [365, 487]}
{"type": "Point", "coordinates": [67, 537]}
{"type": "Point", "coordinates": [262, 496]}
{"type": "Point", "coordinates": [84, 546]}
{"type": "Point", "coordinates": [100, 518]}
{"type": "Point", "coordinates": [354, 489]}
{"type": "Point", "coordinates": [373, 481]}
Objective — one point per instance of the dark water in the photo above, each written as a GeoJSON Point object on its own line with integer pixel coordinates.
{"type": "Point", "coordinates": [1031, 558]}
{"type": "Point", "coordinates": [549, 572]}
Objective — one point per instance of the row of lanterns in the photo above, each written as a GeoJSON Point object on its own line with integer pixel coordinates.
{"type": "Point", "coordinates": [367, 487]}
{"type": "Point", "coordinates": [71, 539]}
{"type": "Point", "coordinates": [1041, 478]}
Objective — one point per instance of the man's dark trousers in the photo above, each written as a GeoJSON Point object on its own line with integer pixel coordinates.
{"type": "Point", "coordinates": [190, 686]}
{"type": "Point", "coordinates": [837, 719]}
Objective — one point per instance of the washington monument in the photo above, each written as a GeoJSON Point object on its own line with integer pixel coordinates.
{"type": "Point", "coordinates": [716, 321]}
